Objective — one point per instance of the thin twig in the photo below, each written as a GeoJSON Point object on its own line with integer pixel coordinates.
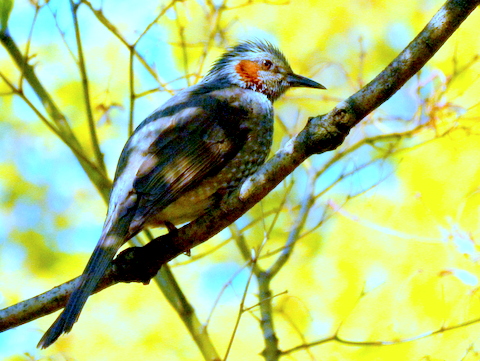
{"type": "Point", "coordinates": [86, 91]}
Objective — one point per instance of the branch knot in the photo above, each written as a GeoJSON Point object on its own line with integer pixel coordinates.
{"type": "Point", "coordinates": [326, 132]}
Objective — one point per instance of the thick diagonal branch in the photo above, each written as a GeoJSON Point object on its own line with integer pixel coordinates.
{"type": "Point", "coordinates": [322, 133]}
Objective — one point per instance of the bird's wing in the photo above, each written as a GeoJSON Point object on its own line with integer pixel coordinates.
{"type": "Point", "coordinates": [199, 144]}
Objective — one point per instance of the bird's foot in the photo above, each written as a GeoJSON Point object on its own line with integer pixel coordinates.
{"type": "Point", "coordinates": [173, 231]}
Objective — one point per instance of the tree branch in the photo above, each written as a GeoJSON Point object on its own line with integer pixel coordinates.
{"type": "Point", "coordinates": [321, 134]}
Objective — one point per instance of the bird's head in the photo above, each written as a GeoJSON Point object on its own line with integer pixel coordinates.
{"type": "Point", "coordinates": [260, 66]}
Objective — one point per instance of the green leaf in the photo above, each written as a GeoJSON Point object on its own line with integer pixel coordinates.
{"type": "Point", "coordinates": [6, 7]}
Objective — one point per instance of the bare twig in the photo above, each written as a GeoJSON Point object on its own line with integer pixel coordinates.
{"type": "Point", "coordinates": [322, 133]}
{"type": "Point", "coordinates": [86, 91]}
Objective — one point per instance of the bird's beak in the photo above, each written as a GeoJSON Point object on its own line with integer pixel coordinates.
{"type": "Point", "coordinates": [300, 81]}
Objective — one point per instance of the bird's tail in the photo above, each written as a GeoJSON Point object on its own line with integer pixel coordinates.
{"type": "Point", "coordinates": [107, 247]}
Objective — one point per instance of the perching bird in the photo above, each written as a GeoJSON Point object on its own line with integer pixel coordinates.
{"type": "Point", "coordinates": [198, 146]}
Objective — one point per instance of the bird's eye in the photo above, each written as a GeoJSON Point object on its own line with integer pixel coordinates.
{"type": "Point", "coordinates": [267, 64]}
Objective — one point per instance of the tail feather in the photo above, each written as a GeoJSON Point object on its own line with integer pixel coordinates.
{"type": "Point", "coordinates": [104, 252]}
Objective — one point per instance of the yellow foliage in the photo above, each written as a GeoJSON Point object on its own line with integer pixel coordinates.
{"type": "Point", "coordinates": [386, 264]}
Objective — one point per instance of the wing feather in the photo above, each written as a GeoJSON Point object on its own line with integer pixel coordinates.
{"type": "Point", "coordinates": [184, 155]}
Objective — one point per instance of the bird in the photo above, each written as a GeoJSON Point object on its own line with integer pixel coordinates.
{"type": "Point", "coordinates": [187, 155]}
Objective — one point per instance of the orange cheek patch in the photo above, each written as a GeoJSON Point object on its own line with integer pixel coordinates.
{"type": "Point", "coordinates": [248, 71]}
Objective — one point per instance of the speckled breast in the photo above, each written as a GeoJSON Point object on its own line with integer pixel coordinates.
{"type": "Point", "coordinates": [250, 157]}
